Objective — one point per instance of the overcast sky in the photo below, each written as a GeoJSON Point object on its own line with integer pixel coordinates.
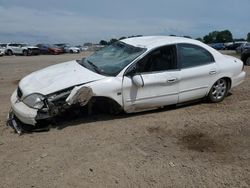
{"type": "Point", "coordinates": [79, 21]}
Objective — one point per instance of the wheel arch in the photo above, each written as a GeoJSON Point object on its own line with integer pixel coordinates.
{"type": "Point", "coordinates": [228, 80]}
{"type": "Point", "coordinates": [106, 103]}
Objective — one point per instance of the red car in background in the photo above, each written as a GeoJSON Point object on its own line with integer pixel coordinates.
{"type": "Point", "coordinates": [49, 49]}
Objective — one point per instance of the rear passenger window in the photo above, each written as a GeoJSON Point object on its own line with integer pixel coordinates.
{"type": "Point", "coordinates": [192, 55]}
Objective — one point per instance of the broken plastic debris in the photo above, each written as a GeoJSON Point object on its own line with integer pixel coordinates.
{"type": "Point", "coordinates": [43, 155]}
{"type": "Point", "coordinates": [171, 164]}
{"type": "Point", "coordinates": [80, 95]}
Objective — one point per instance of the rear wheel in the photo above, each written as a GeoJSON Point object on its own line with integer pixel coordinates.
{"type": "Point", "coordinates": [218, 91]}
{"type": "Point", "coordinates": [248, 61]}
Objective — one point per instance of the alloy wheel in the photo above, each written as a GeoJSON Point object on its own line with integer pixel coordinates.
{"type": "Point", "coordinates": [219, 89]}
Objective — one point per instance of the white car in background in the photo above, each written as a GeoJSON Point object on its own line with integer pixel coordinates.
{"type": "Point", "coordinates": [2, 49]}
{"type": "Point", "coordinates": [2, 52]}
{"type": "Point", "coordinates": [21, 49]}
{"type": "Point", "coordinates": [132, 75]}
{"type": "Point", "coordinates": [68, 49]}
{"type": "Point", "coordinates": [71, 49]}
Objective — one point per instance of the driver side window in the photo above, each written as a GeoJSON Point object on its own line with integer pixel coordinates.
{"type": "Point", "coordinates": [161, 59]}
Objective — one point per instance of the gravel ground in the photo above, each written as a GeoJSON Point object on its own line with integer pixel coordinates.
{"type": "Point", "coordinates": [196, 145]}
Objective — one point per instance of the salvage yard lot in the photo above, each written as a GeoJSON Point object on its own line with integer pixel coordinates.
{"type": "Point", "coordinates": [196, 145]}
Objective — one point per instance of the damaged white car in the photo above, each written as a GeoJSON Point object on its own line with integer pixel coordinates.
{"type": "Point", "coordinates": [132, 75]}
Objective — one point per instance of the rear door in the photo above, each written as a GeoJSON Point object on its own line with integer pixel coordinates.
{"type": "Point", "coordinates": [160, 77]}
{"type": "Point", "coordinates": [198, 71]}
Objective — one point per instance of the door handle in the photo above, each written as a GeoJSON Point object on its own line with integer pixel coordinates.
{"type": "Point", "coordinates": [172, 80]}
{"type": "Point", "coordinates": [212, 72]}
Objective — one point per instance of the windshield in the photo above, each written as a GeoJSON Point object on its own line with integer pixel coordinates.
{"type": "Point", "coordinates": [112, 59]}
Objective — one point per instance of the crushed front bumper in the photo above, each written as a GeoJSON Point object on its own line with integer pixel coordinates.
{"type": "Point", "coordinates": [24, 113]}
{"type": "Point", "coordinates": [20, 127]}
{"type": "Point", "coordinates": [12, 122]}
{"type": "Point", "coordinates": [72, 102]}
{"type": "Point", "coordinates": [23, 118]}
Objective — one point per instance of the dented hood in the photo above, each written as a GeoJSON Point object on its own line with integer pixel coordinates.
{"type": "Point", "coordinates": [57, 77]}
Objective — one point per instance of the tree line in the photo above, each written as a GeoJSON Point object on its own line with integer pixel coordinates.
{"type": "Point", "coordinates": [222, 37]}
{"type": "Point", "coordinates": [212, 37]}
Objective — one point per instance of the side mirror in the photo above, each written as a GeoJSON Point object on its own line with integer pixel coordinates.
{"type": "Point", "coordinates": [138, 80]}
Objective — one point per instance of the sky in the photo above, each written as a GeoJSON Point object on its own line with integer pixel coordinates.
{"type": "Point", "coordinates": [80, 21]}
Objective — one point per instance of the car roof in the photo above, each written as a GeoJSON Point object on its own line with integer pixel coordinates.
{"type": "Point", "coordinates": [150, 42]}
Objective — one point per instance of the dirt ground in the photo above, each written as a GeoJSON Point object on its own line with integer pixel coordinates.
{"type": "Point", "coordinates": [197, 145]}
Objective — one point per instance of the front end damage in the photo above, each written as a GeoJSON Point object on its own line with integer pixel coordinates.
{"type": "Point", "coordinates": [23, 118]}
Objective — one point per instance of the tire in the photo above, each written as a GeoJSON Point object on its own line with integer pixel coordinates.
{"type": "Point", "coordinates": [71, 51]}
{"type": "Point", "coordinates": [9, 52]}
{"type": "Point", "coordinates": [248, 61]}
{"type": "Point", "coordinates": [29, 52]}
{"type": "Point", "coordinates": [218, 91]}
{"type": "Point", "coordinates": [25, 53]}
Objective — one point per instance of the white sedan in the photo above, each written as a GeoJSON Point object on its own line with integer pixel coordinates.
{"type": "Point", "coordinates": [132, 75]}
{"type": "Point", "coordinates": [71, 49]}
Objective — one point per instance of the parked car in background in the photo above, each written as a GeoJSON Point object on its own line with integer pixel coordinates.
{"type": "Point", "coordinates": [132, 75]}
{"type": "Point", "coordinates": [84, 48]}
{"type": "Point", "coordinates": [49, 49]}
{"type": "Point", "coordinates": [71, 49]}
{"type": "Point", "coordinates": [242, 47]}
{"type": "Point", "coordinates": [61, 46]}
{"type": "Point", "coordinates": [234, 45]}
{"type": "Point", "coordinates": [245, 56]}
{"type": "Point", "coordinates": [2, 49]}
{"type": "Point", "coordinates": [21, 49]}
{"type": "Point", "coordinates": [68, 48]}
{"type": "Point", "coordinates": [218, 46]}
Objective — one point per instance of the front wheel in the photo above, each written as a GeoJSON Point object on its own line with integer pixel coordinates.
{"type": "Point", "coordinates": [218, 91]}
{"type": "Point", "coordinates": [9, 52]}
{"type": "Point", "coordinates": [25, 53]}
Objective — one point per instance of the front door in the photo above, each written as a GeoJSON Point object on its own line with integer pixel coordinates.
{"type": "Point", "coordinates": [160, 81]}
